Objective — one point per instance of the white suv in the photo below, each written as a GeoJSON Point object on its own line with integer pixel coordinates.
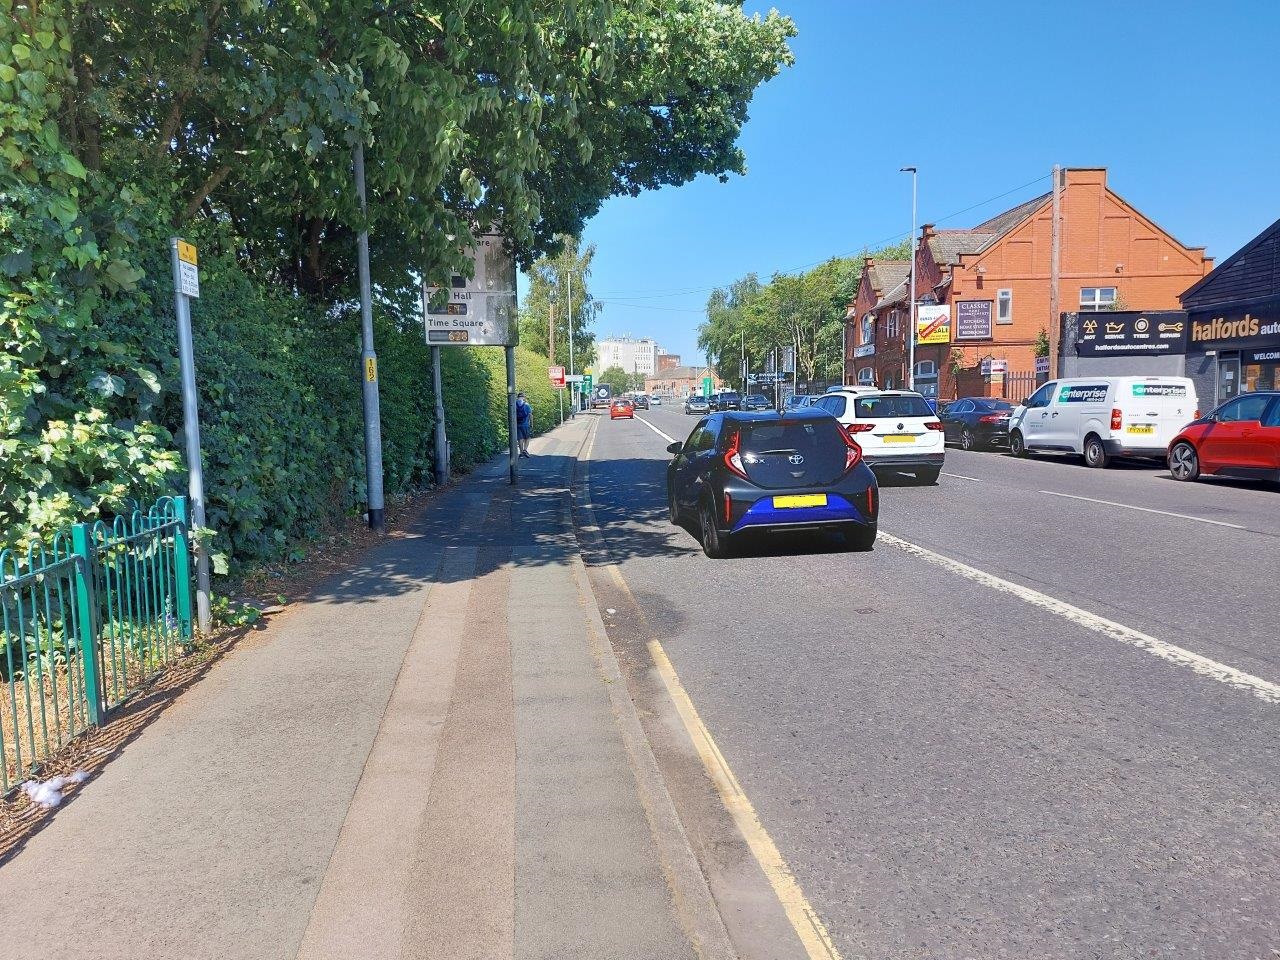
{"type": "Point", "coordinates": [895, 429]}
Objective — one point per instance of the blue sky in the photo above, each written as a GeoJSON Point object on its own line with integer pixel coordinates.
{"type": "Point", "coordinates": [1178, 100]}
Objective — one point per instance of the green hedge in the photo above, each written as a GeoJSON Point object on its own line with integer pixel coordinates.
{"type": "Point", "coordinates": [280, 405]}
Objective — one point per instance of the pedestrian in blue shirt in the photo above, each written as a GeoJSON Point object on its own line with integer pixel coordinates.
{"type": "Point", "coordinates": [524, 423]}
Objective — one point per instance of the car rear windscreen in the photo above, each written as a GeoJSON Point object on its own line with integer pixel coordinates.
{"type": "Point", "coordinates": [991, 406]}
{"type": "Point", "coordinates": [906, 405]}
{"type": "Point", "coordinates": [793, 453]}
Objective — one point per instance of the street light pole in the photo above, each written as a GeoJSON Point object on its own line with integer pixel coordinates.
{"type": "Point", "coordinates": [911, 321]}
{"type": "Point", "coordinates": [569, 308]}
{"type": "Point", "coordinates": [372, 417]}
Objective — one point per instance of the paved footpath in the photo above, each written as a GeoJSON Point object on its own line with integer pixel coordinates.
{"type": "Point", "coordinates": [434, 757]}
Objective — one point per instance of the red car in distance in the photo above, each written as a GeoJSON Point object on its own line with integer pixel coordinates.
{"type": "Point", "coordinates": [1239, 439]}
{"type": "Point", "coordinates": [620, 408]}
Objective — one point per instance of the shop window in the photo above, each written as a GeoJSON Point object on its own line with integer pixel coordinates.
{"type": "Point", "coordinates": [867, 377]}
{"type": "Point", "coordinates": [926, 378]}
{"type": "Point", "coordinates": [1004, 306]}
{"type": "Point", "coordinates": [1097, 298]}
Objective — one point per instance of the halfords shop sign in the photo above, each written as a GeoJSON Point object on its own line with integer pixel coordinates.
{"type": "Point", "coordinates": [1243, 331]}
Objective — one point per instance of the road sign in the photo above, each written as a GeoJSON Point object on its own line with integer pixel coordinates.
{"type": "Point", "coordinates": [586, 383]}
{"type": "Point", "coordinates": [556, 374]}
{"type": "Point", "coordinates": [706, 386]}
{"type": "Point", "coordinates": [574, 378]}
{"type": "Point", "coordinates": [476, 312]}
{"type": "Point", "coordinates": [188, 271]}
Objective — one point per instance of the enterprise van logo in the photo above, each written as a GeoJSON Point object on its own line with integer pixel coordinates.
{"type": "Point", "coordinates": [1219, 328]}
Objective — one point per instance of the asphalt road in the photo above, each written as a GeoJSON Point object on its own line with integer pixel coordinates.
{"type": "Point", "coordinates": [957, 767]}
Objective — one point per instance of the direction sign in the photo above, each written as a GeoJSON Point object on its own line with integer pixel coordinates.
{"type": "Point", "coordinates": [574, 378]}
{"type": "Point", "coordinates": [479, 311]}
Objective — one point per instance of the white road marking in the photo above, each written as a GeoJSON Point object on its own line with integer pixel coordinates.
{"type": "Point", "coordinates": [961, 476]}
{"type": "Point", "coordinates": [665, 436]}
{"type": "Point", "coordinates": [1163, 513]}
{"type": "Point", "coordinates": [1262, 689]}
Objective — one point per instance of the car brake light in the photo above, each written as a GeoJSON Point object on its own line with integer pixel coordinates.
{"type": "Point", "coordinates": [852, 453]}
{"type": "Point", "coordinates": [933, 424]}
{"type": "Point", "coordinates": [851, 428]}
{"type": "Point", "coordinates": [732, 456]}
{"type": "Point", "coordinates": [1117, 418]}
{"type": "Point", "coordinates": [871, 501]}
{"type": "Point", "coordinates": [993, 418]}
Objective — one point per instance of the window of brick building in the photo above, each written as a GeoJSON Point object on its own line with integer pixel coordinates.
{"type": "Point", "coordinates": [1097, 298]}
{"type": "Point", "coordinates": [1004, 306]}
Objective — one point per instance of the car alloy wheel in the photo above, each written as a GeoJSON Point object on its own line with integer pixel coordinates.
{"type": "Point", "coordinates": [1184, 464]}
{"type": "Point", "coordinates": [967, 440]}
{"type": "Point", "coordinates": [1017, 446]}
{"type": "Point", "coordinates": [673, 508]}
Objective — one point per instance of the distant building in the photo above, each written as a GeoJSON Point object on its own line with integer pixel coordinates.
{"type": "Point", "coordinates": [633, 355]}
{"type": "Point", "coordinates": [681, 381]}
{"type": "Point", "coordinates": [668, 361]}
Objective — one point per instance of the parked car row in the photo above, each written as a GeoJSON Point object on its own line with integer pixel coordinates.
{"type": "Point", "coordinates": [1101, 418]}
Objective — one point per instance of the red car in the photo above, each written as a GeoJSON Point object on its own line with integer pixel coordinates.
{"type": "Point", "coordinates": [1239, 439]}
{"type": "Point", "coordinates": [622, 407]}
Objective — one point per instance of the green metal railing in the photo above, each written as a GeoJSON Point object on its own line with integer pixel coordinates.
{"type": "Point", "coordinates": [84, 623]}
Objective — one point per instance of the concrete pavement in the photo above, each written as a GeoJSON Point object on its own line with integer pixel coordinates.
{"type": "Point", "coordinates": [433, 758]}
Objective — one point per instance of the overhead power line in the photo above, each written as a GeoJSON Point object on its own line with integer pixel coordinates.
{"type": "Point", "coordinates": [622, 296]}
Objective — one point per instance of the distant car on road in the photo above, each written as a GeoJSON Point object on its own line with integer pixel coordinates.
{"type": "Point", "coordinates": [756, 401]}
{"type": "Point", "coordinates": [1104, 417]}
{"type": "Point", "coordinates": [726, 400]}
{"type": "Point", "coordinates": [696, 406]}
{"type": "Point", "coordinates": [641, 401]}
{"type": "Point", "coordinates": [1239, 439]}
{"type": "Point", "coordinates": [797, 401]}
{"type": "Point", "coordinates": [656, 400]}
{"type": "Point", "coordinates": [622, 408]}
{"type": "Point", "coordinates": [744, 473]}
{"type": "Point", "coordinates": [895, 428]}
{"type": "Point", "coordinates": [975, 422]}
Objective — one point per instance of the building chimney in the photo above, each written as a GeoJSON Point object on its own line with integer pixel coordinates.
{"type": "Point", "coordinates": [926, 231]}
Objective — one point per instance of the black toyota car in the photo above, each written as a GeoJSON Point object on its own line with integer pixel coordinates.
{"type": "Point", "coordinates": [744, 473]}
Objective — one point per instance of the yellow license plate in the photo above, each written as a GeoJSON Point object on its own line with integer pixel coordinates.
{"type": "Point", "coordinates": [802, 500]}
{"type": "Point", "coordinates": [1140, 428]}
{"type": "Point", "coordinates": [898, 438]}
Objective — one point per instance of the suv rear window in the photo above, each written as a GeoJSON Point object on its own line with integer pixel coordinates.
{"type": "Point", "coordinates": [906, 405]}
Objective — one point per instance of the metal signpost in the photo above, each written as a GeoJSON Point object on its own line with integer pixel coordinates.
{"type": "Point", "coordinates": [186, 286]}
{"type": "Point", "coordinates": [369, 365]}
{"type": "Point", "coordinates": [479, 312]}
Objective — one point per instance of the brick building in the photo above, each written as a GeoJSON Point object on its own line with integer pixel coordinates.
{"type": "Point", "coordinates": [680, 381]}
{"type": "Point", "coordinates": [995, 281]}
{"type": "Point", "coordinates": [876, 321]}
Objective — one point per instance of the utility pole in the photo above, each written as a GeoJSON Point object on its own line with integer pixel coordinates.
{"type": "Point", "coordinates": [911, 313]}
{"type": "Point", "coordinates": [191, 426]}
{"type": "Point", "coordinates": [1055, 275]}
{"type": "Point", "coordinates": [369, 364]}
{"type": "Point", "coordinates": [551, 332]}
{"type": "Point", "coordinates": [569, 306]}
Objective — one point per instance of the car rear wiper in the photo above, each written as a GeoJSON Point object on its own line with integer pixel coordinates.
{"type": "Point", "coordinates": [787, 450]}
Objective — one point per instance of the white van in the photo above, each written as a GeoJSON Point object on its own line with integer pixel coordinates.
{"type": "Point", "coordinates": [1104, 417]}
